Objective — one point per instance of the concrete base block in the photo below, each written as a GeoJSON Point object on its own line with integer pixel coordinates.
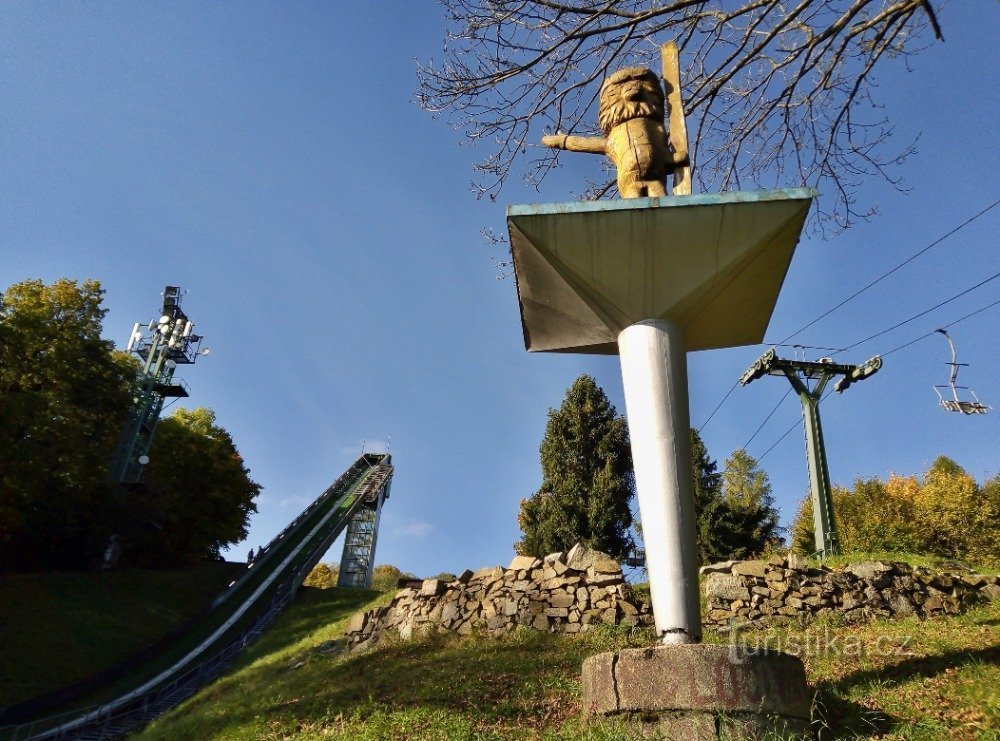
{"type": "Point", "coordinates": [700, 691]}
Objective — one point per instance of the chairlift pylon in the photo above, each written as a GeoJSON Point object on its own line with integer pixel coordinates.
{"type": "Point", "coordinates": [954, 404]}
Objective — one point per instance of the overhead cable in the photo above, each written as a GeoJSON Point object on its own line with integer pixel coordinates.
{"type": "Point", "coordinates": [885, 275]}
{"type": "Point", "coordinates": [922, 313]}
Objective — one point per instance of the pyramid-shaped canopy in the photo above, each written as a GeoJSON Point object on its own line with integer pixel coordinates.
{"type": "Point", "coordinates": [712, 264]}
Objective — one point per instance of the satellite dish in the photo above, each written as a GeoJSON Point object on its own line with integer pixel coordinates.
{"type": "Point", "coordinates": [143, 460]}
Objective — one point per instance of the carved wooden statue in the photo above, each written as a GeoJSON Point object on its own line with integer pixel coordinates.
{"type": "Point", "coordinates": [635, 140]}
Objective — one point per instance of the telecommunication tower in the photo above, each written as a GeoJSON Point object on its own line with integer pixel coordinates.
{"type": "Point", "coordinates": [161, 345]}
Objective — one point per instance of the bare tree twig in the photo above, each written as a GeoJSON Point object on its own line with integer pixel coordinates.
{"type": "Point", "coordinates": [777, 94]}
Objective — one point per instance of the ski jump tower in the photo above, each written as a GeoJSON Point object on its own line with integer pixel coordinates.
{"type": "Point", "coordinates": [357, 562]}
{"type": "Point", "coordinates": [651, 278]}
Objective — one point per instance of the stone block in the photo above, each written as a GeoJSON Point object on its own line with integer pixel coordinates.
{"type": "Point", "coordinates": [582, 558]}
{"type": "Point", "coordinates": [600, 694]}
{"type": "Point", "coordinates": [524, 563]}
{"type": "Point", "coordinates": [695, 678]}
{"type": "Point", "coordinates": [901, 606]}
{"type": "Point", "coordinates": [599, 579]}
{"type": "Point", "coordinates": [750, 568]}
{"type": "Point", "coordinates": [725, 586]}
{"type": "Point", "coordinates": [488, 574]}
{"type": "Point", "coordinates": [876, 573]}
{"type": "Point", "coordinates": [560, 582]}
{"type": "Point", "coordinates": [357, 623]}
{"type": "Point", "coordinates": [496, 622]}
{"type": "Point", "coordinates": [797, 562]}
{"type": "Point", "coordinates": [562, 599]}
{"type": "Point", "coordinates": [723, 567]}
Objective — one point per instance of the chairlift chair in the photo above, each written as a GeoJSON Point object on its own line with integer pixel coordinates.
{"type": "Point", "coordinates": [954, 404]}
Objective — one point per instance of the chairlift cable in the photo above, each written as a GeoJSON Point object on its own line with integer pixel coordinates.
{"type": "Point", "coordinates": [944, 326]}
{"type": "Point", "coordinates": [888, 352]}
{"type": "Point", "coordinates": [885, 275]}
{"type": "Point", "coordinates": [857, 293]}
{"type": "Point", "coordinates": [761, 426]}
{"type": "Point", "coordinates": [922, 313]}
{"type": "Point", "coordinates": [718, 406]}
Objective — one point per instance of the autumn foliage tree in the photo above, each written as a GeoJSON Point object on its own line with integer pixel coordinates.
{"type": "Point", "coordinates": [197, 495]}
{"type": "Point", "coordinates": [587, 481]}
{"type": "Point", "coordinates": [64, 396]}
{"type": "Point", "coordinates": [945, 513]}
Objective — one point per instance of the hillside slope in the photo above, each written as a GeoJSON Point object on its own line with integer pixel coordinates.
{"type": "Point", "coordinates": [56, 629]}
{"type": "Point", "coordinates": [905, 679]}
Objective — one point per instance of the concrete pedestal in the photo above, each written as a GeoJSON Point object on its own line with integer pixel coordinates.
{"type": "Point", "coordinates": [699, 691]}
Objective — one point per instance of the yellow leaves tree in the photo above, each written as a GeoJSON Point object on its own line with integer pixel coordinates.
{"type": "Point", "coordinates": [955, 517]}
{"type": "Point", "coordinates": [946, 513]}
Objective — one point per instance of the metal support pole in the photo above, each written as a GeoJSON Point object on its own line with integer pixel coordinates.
{"type": "Point", "coordinates": [824, 526]}
{"type": "Point", "coordinates": [654, 373]}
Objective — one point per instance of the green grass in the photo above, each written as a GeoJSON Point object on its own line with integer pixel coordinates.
{"type": "Point", "coordinates": [904, 679]}
{"type": "Point", "coordinates": [913, 559]}
{"type": "Point", "coordinates": [56, 629]}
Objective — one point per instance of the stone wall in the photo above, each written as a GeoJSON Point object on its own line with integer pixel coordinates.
{"type": "Point", "coordinates": [562, 593]}
{"type": "Point", "coordinates": [572, 592]}
{"type": "Point", "coordinates": [785, 589]}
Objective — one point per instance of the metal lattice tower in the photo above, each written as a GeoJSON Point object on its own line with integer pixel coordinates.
{"type": "Point", "coordinates": [357, 562]}
{"type": "Point", "coordinates": [800, 373]}
{"type": "Point", "coordinates": [162, 345]}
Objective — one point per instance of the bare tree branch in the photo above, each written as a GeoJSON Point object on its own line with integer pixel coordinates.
{"type": "Point", "coordinates": [777, 93]}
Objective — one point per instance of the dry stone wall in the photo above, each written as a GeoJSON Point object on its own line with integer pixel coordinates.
{"type": "Point", "coordinates": [572, 592]}
{"type": "Point", "coordinates": [562, 593]}
{"type": "Point", "coordinates": [785, 589]}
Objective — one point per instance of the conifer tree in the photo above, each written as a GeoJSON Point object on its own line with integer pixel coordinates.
{"type": "Point", "coordinates": [587, 480]}
{"type": "Point", "coordinates": [734, 510]}
{"type": "Point", "coordinates": [747, 490]}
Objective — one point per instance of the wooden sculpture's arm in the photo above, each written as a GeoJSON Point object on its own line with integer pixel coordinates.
{"type": "Point", "coordinates": [592, 144]}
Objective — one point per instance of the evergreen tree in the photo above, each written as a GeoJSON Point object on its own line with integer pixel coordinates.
{"type": "Point", "coordinates": [734, 510]}
{"type": "Point", "coordinates": [747, 491]}
{"type": "Point", "coordinates": [587, 480]}
{"type": "Point", "coordinates": [714, 520]}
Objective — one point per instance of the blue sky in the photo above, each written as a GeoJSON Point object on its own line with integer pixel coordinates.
{"type": "Point", "coordinates": [269, 159]}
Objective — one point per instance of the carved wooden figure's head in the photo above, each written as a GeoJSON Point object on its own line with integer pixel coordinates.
{"type": "Point", "coordinates": [633, 92]}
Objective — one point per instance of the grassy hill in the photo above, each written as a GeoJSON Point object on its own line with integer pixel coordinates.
{"type": "Point", "coordinates": [56, 629]}
{"type": "Point", "coordinates": [902, 679]}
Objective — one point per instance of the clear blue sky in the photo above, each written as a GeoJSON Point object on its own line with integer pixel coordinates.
{"type": "Point", "coordinates": [269, 159]}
